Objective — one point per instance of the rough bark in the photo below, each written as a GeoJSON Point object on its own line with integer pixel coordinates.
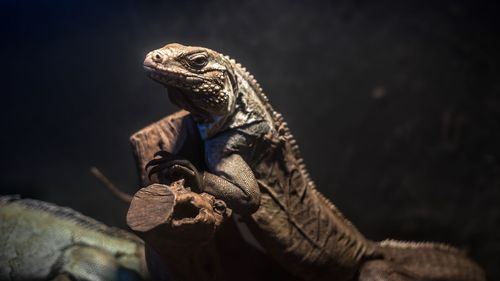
{"type": "Point", "coordinates": [173, 219]}
{"type": "Point", "coordinates": [177, 225]}
{"type": "Point", "coordinates": [175, 133]}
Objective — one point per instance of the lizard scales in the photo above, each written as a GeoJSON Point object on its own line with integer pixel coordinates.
{"type": "Point", "coordinates": [249, 147]}
{"type": "Point", "coordinates": [42, 241]}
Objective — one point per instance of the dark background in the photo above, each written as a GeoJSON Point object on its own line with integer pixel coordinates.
{"type": "Point", "coordinates": [396, 104]}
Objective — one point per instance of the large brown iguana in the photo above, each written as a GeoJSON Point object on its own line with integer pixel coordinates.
{"type": "Point", "coordinates": [254, 165]}
{"type": "Point", "coordinates": [42, 241]}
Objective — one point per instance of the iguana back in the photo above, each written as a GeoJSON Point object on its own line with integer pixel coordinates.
{"type": "Point", "coordinates": [42, 241]}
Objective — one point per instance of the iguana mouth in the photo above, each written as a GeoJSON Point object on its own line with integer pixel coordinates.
{"type": "Point", "coordinates": [168, 78]}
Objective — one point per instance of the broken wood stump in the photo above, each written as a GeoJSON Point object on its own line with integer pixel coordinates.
{"type": "Point", "coordinates": [172, 219]}
{"type": "Point", "coordinates": [177, 226]}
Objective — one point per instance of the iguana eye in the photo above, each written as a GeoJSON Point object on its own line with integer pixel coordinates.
{"type": "Point", "coordinates": [198, 61]}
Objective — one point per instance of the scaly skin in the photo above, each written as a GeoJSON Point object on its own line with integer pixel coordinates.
{"type": "Point", "coordinates": [407, 261]}
{"type": "Point", "coordinates": [254, 165]}
{"type": "Point", "coordinates": [42, 241]}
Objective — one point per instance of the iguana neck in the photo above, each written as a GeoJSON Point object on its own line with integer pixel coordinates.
{"type": "Point", "coordinates": [251, 106]}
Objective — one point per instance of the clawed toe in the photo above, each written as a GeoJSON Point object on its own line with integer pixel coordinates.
{"type": "Point", "coordinates": [171, 166]}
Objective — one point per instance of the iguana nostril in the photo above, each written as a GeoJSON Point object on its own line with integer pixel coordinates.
{"type": "Point", "coordinates": [157, 57]}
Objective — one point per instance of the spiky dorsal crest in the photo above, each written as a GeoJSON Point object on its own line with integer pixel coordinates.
{"type": "Point", "coordinates": [390, 243]}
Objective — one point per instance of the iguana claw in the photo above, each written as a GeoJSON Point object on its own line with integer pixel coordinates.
{"type": "Point", "coordinates": [172, 167]}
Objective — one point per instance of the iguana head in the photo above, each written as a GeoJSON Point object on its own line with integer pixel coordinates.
{"type": "Point", "coordinates": [198, 79]}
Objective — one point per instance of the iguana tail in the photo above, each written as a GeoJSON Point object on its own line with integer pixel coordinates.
{"type": "Point", "coordinates": [421, 261]}
{"type": "Point", "coordinates": [127, 198]}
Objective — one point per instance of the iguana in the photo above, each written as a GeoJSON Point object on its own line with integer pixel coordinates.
{"type": "Point", "coordinates": [42, 241]}
{"type": "Point", "coordinates": [253, 163]}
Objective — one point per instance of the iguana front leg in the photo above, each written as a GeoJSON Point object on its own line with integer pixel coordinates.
{"type": "Point", "coordinates": [87, 263]}
{"type": "Point", "coordinates": [232, 179]}
{"type": "Point", "coordinates": [234, 182]}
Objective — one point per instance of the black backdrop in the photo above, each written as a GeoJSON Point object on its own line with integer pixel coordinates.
{"type": "Point", "coordinates": [396, 105]}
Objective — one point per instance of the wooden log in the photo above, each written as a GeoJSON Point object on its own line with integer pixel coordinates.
{"type": "Point", "coordinates": [175, 133]}
{"type": "Point", "coordinates": [150, 207]}
{"type": "Point", "coordinates": [172, 219]}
